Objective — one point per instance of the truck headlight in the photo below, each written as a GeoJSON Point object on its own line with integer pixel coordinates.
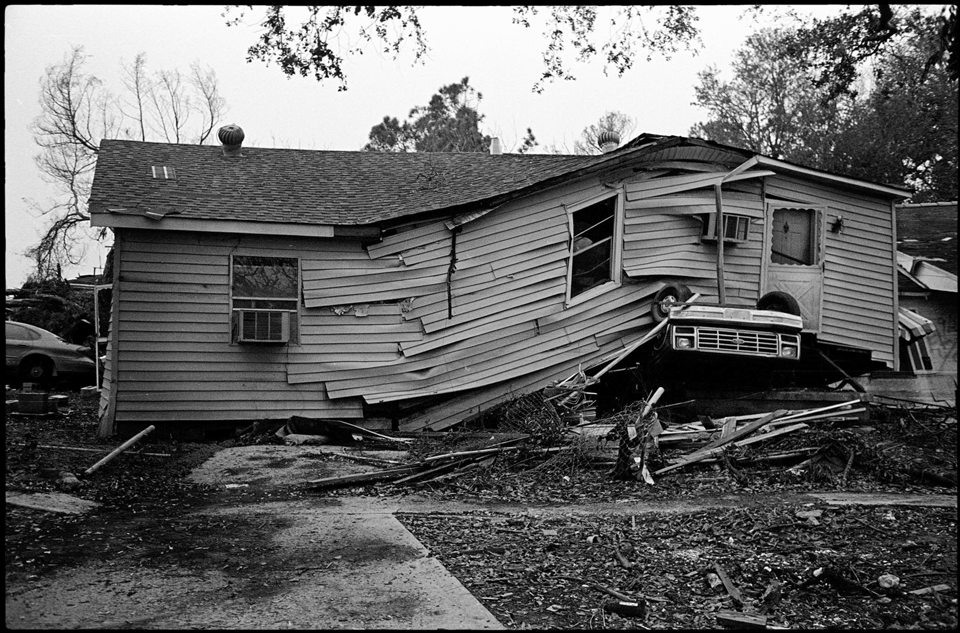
{"type": "Point", "coordinates": [788, 351]}
{"type": "Point", "coordinates": [684, 342]}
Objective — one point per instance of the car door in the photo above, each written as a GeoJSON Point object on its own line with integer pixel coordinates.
{"type": "Point", "coordinates": [17, 344]}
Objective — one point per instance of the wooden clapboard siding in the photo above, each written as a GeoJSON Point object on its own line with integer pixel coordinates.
{"type": "Point", "coordinates": [534, 305]}
{"type": "Point", "coordinates": [663, 239]}
{"type": "Point", "coordinates": [173, 333]}
{"type": "Point", "coordinates": [470, 403]}
{"type": "Point", "coordinates": [510, 369]}
{"type": "Point", "coordinates": [408, 238]}
{"type": "Point", "coordinates": [345, 371]}
{"type": "Point", "coordinates": [858, 287]}
{"type": "Point", "coordinates": [629, 294]}
{"type": "Point", "coordinates": [476, 305]}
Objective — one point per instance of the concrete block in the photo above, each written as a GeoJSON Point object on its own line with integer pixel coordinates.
{"type": "Point", "coordinates": [89, 392]}
{"type": "Point", "coordinates": [57, 402]}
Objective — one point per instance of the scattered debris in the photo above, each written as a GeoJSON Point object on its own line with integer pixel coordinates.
{"type": "Point", "coordinates": [555, 432]}
{"type": "Point", "coordinates": [106, 460]}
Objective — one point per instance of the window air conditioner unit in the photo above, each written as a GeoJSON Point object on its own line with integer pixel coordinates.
{"type": "Point", "coordinates": [263, 326]}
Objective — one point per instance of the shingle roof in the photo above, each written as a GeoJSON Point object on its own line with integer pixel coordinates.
{"type": "Point", "coordinates": [929, 230]}
{"type": "Point", "coordinates": [306, 186]}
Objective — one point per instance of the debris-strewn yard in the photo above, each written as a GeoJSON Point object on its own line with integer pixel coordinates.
{"type": "Point", "coordinates": [770, 558]}
{"type": "Point", "coordinates": [559, 572]}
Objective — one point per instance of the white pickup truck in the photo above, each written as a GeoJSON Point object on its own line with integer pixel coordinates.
{"type": "Point", "coordinates": [732, 331]}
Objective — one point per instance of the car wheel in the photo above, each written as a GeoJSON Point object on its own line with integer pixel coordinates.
{"type": "Point", "coordinates": [667, 296]}
{"type": "Point", "coordinates": [779, 302]}
{"type": "Point", "coordinates": [36, 369]}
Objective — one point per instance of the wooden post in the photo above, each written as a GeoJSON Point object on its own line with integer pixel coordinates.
{"type": "Point", "coordinates": [720, 232]}
{"type": "Point", "coordinates": [133, 440]}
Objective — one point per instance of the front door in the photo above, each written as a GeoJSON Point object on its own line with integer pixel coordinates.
{"type": "Point", "coordinates": [794, 258]}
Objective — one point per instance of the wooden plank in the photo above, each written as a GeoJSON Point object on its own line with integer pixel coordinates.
{"type": "Point", "coordinates": [362, 478]}
{"type": "Point", "coordinates": [710, 448]}
{"type": "Point", "coordinates": [737, 620]}
{"type": "Point", "coordinates": [728, 584]}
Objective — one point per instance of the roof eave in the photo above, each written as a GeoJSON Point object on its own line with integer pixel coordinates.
{"type": "Point", "coordinates": [843, 181]}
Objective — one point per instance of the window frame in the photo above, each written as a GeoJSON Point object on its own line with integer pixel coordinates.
{"type": "Point", "coordinates": [616, 247]}
{"type": "Point", "coordinates": [709, 229]}
{"type": "Point", "coordinates": [294, 311]}
{"type": "Point", "coordinates": [816, 238]}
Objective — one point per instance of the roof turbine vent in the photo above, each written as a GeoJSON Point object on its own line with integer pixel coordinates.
{"type": "Point", "coordinates": [231, 136]}
{"type": "Point", "coordinates": [608, 140]}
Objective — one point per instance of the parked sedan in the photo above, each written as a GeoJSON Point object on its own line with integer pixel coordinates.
{"type": "Point", "coordinates": [36, 355]}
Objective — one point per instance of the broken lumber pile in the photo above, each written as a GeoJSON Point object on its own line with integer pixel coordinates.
{"type": "Point", "coordinates": [710, 439]}
{"type": "Point", "coordinates": [432, 468]}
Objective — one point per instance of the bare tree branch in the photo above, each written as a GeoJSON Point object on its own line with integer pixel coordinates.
{"type": "Point", "coordinates": [77, 112]}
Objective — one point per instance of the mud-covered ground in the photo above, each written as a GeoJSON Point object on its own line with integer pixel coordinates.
{"type": "Point", "coordinates": [798, 563]}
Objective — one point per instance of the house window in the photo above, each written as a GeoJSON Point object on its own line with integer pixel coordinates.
{"type": "Point", "coordinates": [794, 237]}
{"type": "Point", "coordinates": [265, 293]}
{"type": "Point", "coordinates": [736, 228]}
{"type": "Point", "coordinates": [595, 249]}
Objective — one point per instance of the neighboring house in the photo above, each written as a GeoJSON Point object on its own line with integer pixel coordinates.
{"type": "Point", "coordinates": [927, 265]}
{"type": "Point", "coordinates": [414, 290]}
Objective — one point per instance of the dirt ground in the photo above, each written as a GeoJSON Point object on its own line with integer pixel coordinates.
{"type": "Point", "coordinates": [225, 535]}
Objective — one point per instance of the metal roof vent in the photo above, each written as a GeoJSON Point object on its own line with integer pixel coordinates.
{"type": "Point", "coordinates": [231, 136]}
{"type": "Point", "coordinates": [495, 146]}
{"type": "Point", "coordinates": [608, 140]}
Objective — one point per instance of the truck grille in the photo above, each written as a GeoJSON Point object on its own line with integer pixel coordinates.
{"type": "Point", "coordinates": [740, 342]}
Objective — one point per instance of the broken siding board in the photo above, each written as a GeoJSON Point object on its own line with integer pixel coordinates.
{"type": "Point", "coordinates": [627, 295]}
{"type": "Point", "coordinates": [397, 294]}
{"type": "Point", "coordinates": [387, 283]}
{"type": "Point", "coordinates": [526, 350]}
{"type": "Point", "coordinates": [507, 370]}
{"type": "Point", "coordinates": [473, 402]}
{"type": "Point", "coordinates": [670, 184]}
{"type": "Point", "coordinates": [477, 346]}
{"type": "Point", "coordinates": [409, 239]}
{"type": "Point", "coordinates": [471, 357]}
{"type": "Point", "coordinates": [498, 296]}
{"type": "Point", "coordinates": [527, 312]}
{"type": "Point", "coordinates": [506, 266]}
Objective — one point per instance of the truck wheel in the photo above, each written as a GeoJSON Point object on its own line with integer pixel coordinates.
{"type": "Point", "coordinates": [668, 295]}
{"type": "Point", "coordinates": [779, 302]}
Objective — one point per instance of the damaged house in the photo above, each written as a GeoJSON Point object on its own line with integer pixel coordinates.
{"type": "Point", "coordinates": [412, 291]}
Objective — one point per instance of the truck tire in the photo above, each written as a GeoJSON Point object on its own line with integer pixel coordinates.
{"type": "Point", "coordinates": [668, 295]}
{"type": "Point", "coordinates": [779, 302]}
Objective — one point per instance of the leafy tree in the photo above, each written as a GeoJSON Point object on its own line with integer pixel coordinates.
{"type": "Point", "coordinates": [899, 126]}
{"type": "Point", "coordinates": [771, 105]}
{"type": "Point", "coordinates": [835, 48]}
{"type": "Point", "coordinates": [617, 122]}
{"type": "Point", "coordinates": [449, 123]}
{"type": "Point", "coordinates": [905, 130]}
{"type": "Point", "coordinates": [309, 44]}
{"type": "Point", "coordinates": [77, 112]}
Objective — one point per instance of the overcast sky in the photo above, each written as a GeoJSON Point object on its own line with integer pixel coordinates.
{"type": "Point", "coordinates": [503, 62]}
